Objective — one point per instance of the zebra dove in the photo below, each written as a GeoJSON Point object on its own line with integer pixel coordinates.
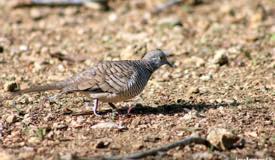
{"type": "Point", "coordinates": [110, 81]}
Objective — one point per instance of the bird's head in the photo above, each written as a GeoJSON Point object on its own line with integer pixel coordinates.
{"type": "Point", "coordinates": [157, 58]}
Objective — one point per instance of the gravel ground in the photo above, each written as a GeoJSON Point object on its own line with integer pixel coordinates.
{"type": "Point", "coordinates": [224, 51]}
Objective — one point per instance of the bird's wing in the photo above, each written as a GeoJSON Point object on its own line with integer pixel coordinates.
{"type": "Point", "coordinates": [110, 77]}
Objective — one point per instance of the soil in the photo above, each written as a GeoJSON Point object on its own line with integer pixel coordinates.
{"type": "Point", "coordinates": [224, 52]}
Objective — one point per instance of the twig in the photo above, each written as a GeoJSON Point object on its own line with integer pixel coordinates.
{"type": "Point", "coordinates": [165, 148]}
{"type": "Point", "coordinates": [59, 3]}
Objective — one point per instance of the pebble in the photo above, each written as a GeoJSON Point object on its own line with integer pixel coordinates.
{"type": "Point", "coordinates": [102, 144]}
{"type": "Point", "coordinates": [61, 68]}
{"type": "Point", "coordinates": [38, 66]}
{"type": "Point", "coordinates": [59, 126]}
{"type": "Point", "coordinates": [113, 17]}
{"type": "Point", "coordinates": [222, 138]}
{"type": "Point", "coordinates": [151, 138]}
{"type": "Point", "coordinates": [11, 118]}
{"type": "Point", "coordinates": [230, 101]}
{"type": "Point", "coordinates": [34, 140]}
{"type": "Point", "coordinates": [138, 146]}
{"type": "Point", "coordinates": [36, 14]}
{"type": "Point", "coordinates": [190, 115]}
{"type": "Point", "coordinates": [108, 125]}
{"type": "Point", "coordinates": [206, 77]}
{"type": "Point", "coordinates": [23, 48]}
{"type": "Point", "coordinates": [95, 5]}
{"type": "Point", "coordinates": [11, 86]}
{"type": "Point", "coordinates": [171, 21]}
{"type": "Point", "coordinates": [193, 90]}
{"type": "Point", "coordinates": [220, 57]}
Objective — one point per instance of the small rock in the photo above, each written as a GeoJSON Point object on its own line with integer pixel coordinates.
{"type": "Point", "coordinates": [178, 155]}
{"type": "Point", "coordinates": [206, 77]}
{"type": "Point", "coordinates": [251, 134]}
{"type": "Point", "coordinates": [135, 123]}
{"type": "Point", "coordinates": [138, 146]}
{"type": "Point", "coordinates": [38, 66]}
{"type": "Point", "coordinates": [230, 101]}
{"type": "Point", "coordinates": [98, 5]}
{"type": "Point", "coordinates": [11, 87]}
{"type": "Point", "coordinates": [219, 100]}
{"type": "Point", "coordinates": [268, 122]}
{"type": "Point", "coordinates": [193, 90]}
{"type": "Point", "coordinates": [152, 139]}
{"type": "Point", "coordinates": [224, 139]}
{"type": "Point", "coordinates": [34, 140]}
{"type": "Point", "coordinates": [108, 125]}
{"type": "Point", "coordinates": [59, 126]}
{"type": "Point", "coordinates": [220, 57]}
{"type": "Point", "coordinates": [11, 118]}
{"type": "Point", "coordinates": [61, 68]}
{"type": "Point", "coordinates": [23, 48]}
{"type": "Point", "coordinates": [102, 144]}
{"type": "Point", "coordinates": [170, 21]}
{"type": "Point", "coordinates": [36, 14]}
{"type": "Point", "coordinates": [113, 17]}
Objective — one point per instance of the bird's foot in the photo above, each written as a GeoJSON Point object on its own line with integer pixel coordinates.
{"type": "Point", "coordinates": [95, 112]}
{"type": "Point", "coordinates": [95, 107]}
{"type": "Point", "coordinates": [130, 108]}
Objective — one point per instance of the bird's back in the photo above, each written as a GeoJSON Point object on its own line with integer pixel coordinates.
{"type": "Point", "coordinates": [111, 80]}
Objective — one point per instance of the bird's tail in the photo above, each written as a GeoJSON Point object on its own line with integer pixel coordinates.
{"type": "Point", "coordinates": [39, 88]}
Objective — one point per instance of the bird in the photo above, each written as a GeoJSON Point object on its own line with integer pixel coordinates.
{"type": "Point", "coordinates": [109, 81]}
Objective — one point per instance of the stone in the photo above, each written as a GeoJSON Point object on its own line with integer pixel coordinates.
{"type": "Point", "coordinates": [224, 139]}
{"type": "Point", "coordinates": [11, 86]}
{"type": "Point", "coordinates": [11, 118]}
{"type": "Point", "coordinates": [102, 144]}
{"type": "Point", "coordinates": [220, 57]}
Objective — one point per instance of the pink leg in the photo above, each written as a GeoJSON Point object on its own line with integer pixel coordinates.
{"type": "Point", "coordinates": [95, 107]}
{"type": "Point", "coordinates": [129, 109]}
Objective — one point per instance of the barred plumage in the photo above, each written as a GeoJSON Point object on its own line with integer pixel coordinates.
{"type": "Point", "coordinates": [110, 81]}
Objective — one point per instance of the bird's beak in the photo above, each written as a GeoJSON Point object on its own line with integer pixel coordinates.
{"type": "Point", "coordinates": [170, 64]}
{"type": "Point", "coordinates": [167, 62]}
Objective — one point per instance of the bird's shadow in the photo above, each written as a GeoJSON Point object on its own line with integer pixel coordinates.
{"type": "Point", "coordinates": [174, 108]}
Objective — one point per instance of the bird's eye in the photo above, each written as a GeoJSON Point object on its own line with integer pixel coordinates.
{"type": "Point", "coordinates": [162, 58]}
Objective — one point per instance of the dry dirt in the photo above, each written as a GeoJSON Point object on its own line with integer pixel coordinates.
{"type": "Point", "coordinates": [235, 91]}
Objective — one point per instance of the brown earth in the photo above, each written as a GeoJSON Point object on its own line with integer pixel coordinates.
{"type": "Point", "coordinates": [236, 91]}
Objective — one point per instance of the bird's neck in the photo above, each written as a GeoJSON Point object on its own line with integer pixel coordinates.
{"type": "Point", "coordinates": [151, 67]}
